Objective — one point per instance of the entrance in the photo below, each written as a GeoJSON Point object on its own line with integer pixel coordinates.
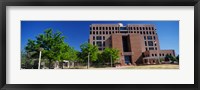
{"type": "Point", "coordinates": [128, 60]}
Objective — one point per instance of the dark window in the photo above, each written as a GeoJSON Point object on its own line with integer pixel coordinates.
{"type": "Point", "coordinates": [143, 32]}
{"type": "Point", "coordinates": [144, 37]}
{"type": "Point", "coordinates": [93, 32]}
{"type": "Point", "coordinates": [150, 32]}
{"type": "Point", "coordinates": [152, 54]}
{"type": "Point", "coordinates": [140, 28]}
{"type": "Point", "coordinates": [115, 28]}
{"type": "Point", "coordinates": [98, 38]}
{"type": "Point", "coordinates": [122, 28]}
{"type": "Point", "coordinates": [106, 28]}
{"type": "Point", "coordinates": [160, 54]}
{"type": "Point", "coordinates": [146, 28]}
{"type": "Point", "coordinates": [99, 43]}
{"type": "Point", "coordinates": [93, 28]}
{"type": "Point", "coordinates": [96, 28]}
{"type": "Point", "coordinates": [103, 37]}
{"type": "Point", "coordinates": [152, 28]}
{"type": "Point", "coordinates": [153, 32]}
{"type": "Point", "coordinates": [100, 49]}
{"type": "Point", "coordinates": [151, 48]}
{"type": "Point", "coordinates": [137, 28]}
{"type": "Point", "coordinates": [97, 33]}
{"type": "Point", "coordinates": [137, 31]}
{"type": "Point", "coordinates": [100, 32]}
{"type": "Point", "coordinates": [155, 48]}
{"type": "Point", "coordinates": [93, 42]}
{"type": "Point", "coordinates": [103, 32]}
{"type": "Point", "coordinates": [145, 43]}
{"type": "Point", "coordinates": [154, 37]}
{"type": "Point", "coordinates": [93, 37]}
{"type": "Point", "coordinates": [90, 32]}
{"type": "Point", "coordinates": [109, 28]}
{"type": "Point", "coordinates": [170, 54]}
{"type": "Point", "coordinates": [149, 28]}
{"type": "Point", "coordinates": [90, 28]}
{"type": "Point", "coordinates": [103, 28]}
{"type": "Point", "coordinates": [150, 43]}
{"type": "Point", "coordinates": [143, 28]}
{"type": "Point", "coordinates": [104, 44]}
{"type": "Point", "coordinates": [99, 28]}
{"type": "Point", "coordinates": [146, 49]}
{"type": "Point", "coordinates": [106, 32]}
{"type": "Point", "coordinates": [134, 28]}
{"type": "Point", "coordinates": [155, 54]}
{"type": "Point", "coordinates": [163, 55]}
{"type": "Point", "coordinates": [110, 32]}
{"type": "Point", "coordinates": [155, 44]}
{"type": "Point", "coordinates": [112, 28]}
{"type": "Point", "coordinates": [134, 31]}
{"type": "Point", "coordinates": [140, 32]}
{"type": "Point", "coordinates": [147, 32]}
{"type": "Point", "coordinates": [149, 37]}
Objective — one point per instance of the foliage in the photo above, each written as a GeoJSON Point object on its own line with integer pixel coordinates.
{"type": "Point", "coordinates": [110, 52]}
{"type": "Point", "coordinates": [87, 48]}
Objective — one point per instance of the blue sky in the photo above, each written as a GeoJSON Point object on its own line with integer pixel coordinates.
{"type": "Point", "coordinates": [77, 32]}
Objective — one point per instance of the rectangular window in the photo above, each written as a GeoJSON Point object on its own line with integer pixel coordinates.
{"type": "Point", "coordinates": [150, 43]}
{"type": "Point", "coordinates": [152, 28]}
{"type": "Point", "coordinates": [149, 37]}
{"type": "Point", "coordinates": [163, 55]}
{"type": "Point", "coordinates": [146, 28]}
{"type": "Point", "coordinates": [144, 37]}
{"type": "Point", "coordinates": [154, 37]}
{"type": "Point", "coordinates": [151, 48]}
{"type": "Point", "coordinates": [152, 54]}
{"type": "Point", "coordinates": [93, 42]}
{"type": "Point", "coordinates": [155, 54]}
{"type": "Point", "coordinates": [93, 37]}
{"type": "Point", "coordinates": [98, 38]}
{"type": "Point", "coordinates": [93, 28]}
{"type": "Point", "coordinates": [140, 28]}
{"type": "Point", "coordinates": [145, 43]}
{"type": "Point", "coordinates": [155, 48]}
{"type": "Point", "coordinates": [99, 28]}
{"type": "Point", "coordinates": [143, 28]}
{"type": "Point", "coordinates": [146, 49]}
{"type": "Point", "coordinates": [100, 49]}
{"type": "Point", "coordinates": [96, 28]}
{"type": "Point", "coordinates": [160, 54]}
{"type": "Point", "coordinates": [103, 37]}
{"type": "Point", "coordinates": [104, 44]}
{"type": "Point", "coordinates": [99, 43]}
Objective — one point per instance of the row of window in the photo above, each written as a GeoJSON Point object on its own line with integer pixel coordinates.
{"type": "Point", "coordinates": [161, 54]}
{"type": "Point", "coordinates": [98, 37]}
{"type": "Point", "coordinates": [109, 32]}
{"type": "Point", "coordinates": [150, 43]}
{"type": "Point", "coordinates": [124, 28]}
{"type": "Point", "coordinates": [141, 28]}
{"type": "Point", "coordinates": [149, 38]}
{"type": "Point", "coordinates": [99, 43]}
{"type": "Point", "coordinates": [104, 28]}
{"type": "Point", "coordinates": [151, 48]}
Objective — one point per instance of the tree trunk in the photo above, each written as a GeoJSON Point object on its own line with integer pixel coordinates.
{"type": "Point", "coordinates": [62, 64]}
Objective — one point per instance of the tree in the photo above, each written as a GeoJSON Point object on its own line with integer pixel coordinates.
{"type": "Point", "coordinates": [51, 43]}
{"type": "Point", "coordinates": [89, 49]}
{"type": "Point", "coordinates": [110, 53]}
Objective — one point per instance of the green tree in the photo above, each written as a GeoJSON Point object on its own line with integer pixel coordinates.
{"type": "Point", "coordinates": [87, 48]}
{"type": "Point", "coordinates": [52, 44]}
{"type": "Point", "coordinates": [110, 53]}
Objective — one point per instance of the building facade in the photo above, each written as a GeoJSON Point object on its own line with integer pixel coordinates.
{"type": "Point", "coordinates": [137, 43]}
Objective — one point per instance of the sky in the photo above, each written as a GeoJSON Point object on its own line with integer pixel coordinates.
{"type": "Point", "coordinates": [77, 32]}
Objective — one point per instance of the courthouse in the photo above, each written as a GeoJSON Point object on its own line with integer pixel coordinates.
{"type": "Point", "coordinates": [137, 43]}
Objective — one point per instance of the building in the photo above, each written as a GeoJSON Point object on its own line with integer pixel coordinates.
{"type": "Point", "coordinates": [137, 43]}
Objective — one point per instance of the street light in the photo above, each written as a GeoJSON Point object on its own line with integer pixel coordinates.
{"type": "Point", "coordinates": [40, 54]}
{"type": "Point", "coordinates": [158, 54]}
{"type": "Point", "coordinates": [111, 59]}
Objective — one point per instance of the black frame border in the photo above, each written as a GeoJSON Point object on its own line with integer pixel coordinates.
{"type": "Point", "coordinates": [4, 3]}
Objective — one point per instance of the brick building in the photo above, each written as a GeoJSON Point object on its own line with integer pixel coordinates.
{"type": "Point", "coordinates": [137, 43]}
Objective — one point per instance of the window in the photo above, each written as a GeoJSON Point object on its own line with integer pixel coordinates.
{"type": "Point", "coordinates": [143, 28]}
{"type": "Point", "coordinates": [99, 43]}
{"type": "Point", "coordinates": [96, 28]}
{"type": "Point", "coordinates": [93, 32]}
{"type": "Point", "coordinates": [170, 54]}
{"type": "Point", "coordinates": [149, 28]}
{"type": "Point", "coordinates": [93, 37]}
{"type": "Point", "coordinates": [152, 54]}
{"type": "Point", "coordinates": [163, 55]}
{"type": "Point", "coordinates": [140, 32]}
{"type": "Point", "coordinates": [137, 31]}
{"type": "Point", "coordinates": [93, 28]}
{"type": "Point", "coordinates": [134, 31]}
{"type": "Point", "coordinates": [110, 32]}
{"type": "Point", "coordinates": [153, 32]}
{"type": "Point", "coordinates": [134, 28]}
{"type": "Point", "coordinates": [93, 42]}
{"type": "Point", "coordinates": [152, 28]}
{"type": "Point", "coordinates": [144, 37]}
{"type": "Point", "coordinates": [154, 37]}
{"type": "Point", "coordinates": [103, 28]}
{"type": "Point", "coordinates": [140, 28]}
{"type": "Point", "coordinates": [98, 38]}
{"type": "Point", "coordinates": [150, 43]}
{"type": "Point", "coordinates": [155, 44]}
{"type": "Point", "coordinates": [115, 28]}
{"type": "Point", "coordinates": [106, 28]}
{"type": "Point", "coordinates": [104, 44]}
{"type": "Point", "coordinates": [90, 32]}
{"type": "Point", "coordinates": [143, 32]}
{"type": "Point", "coordinates": [112, 28]}
{"type": "Point", "coordinates": [149, 37]}
{"type": "Point", "coordinates": [100, 32]}
{"type": "Point", "coordinates": [146, 28]}
{"type": "Point", "coordinates": [97, 33]}
{"type": "Point", "coordinates": [103, 32]}
{"type": "Point", "coordinates": [155, 48]}
{"type": "Point", "coordinates": [155, 54]}
{"type": "Point", "coordinates": [106, 32]}
{"type": "Point", "coordinates": [103, 37]}
{"type": "Point", "coordinates": [151, 48]}
{"type": "Point", "coordinates": [99, 28]}
{"type": "Point", "coordinates": [145, 43]}
{"type": "Point", "coordinates": [100, 49]}
{"type": "Point", "coordinates": [150, 33]}
{"type": "Point", "coordinates": [90, 28]}
{"type": "Point", "coordinates": [160, 54]}
{"type": "Point", "coordinates": [137, 28]}
{"type": "Point", "coordinates": [109, 28]}
{"type": "Point", "coordinates": [147, 32]}
{"type": "Point", "coordinates": [146, 49]}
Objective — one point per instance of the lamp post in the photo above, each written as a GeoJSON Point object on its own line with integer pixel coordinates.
{"type": "Point", "coordinates": [88, 60]}
{"type": "Point", "coordinates": [40, 54]}
{"type": "Point", "coordinates": [158, 54]}
{"type": "Point", "coordinates": [111, 59]}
